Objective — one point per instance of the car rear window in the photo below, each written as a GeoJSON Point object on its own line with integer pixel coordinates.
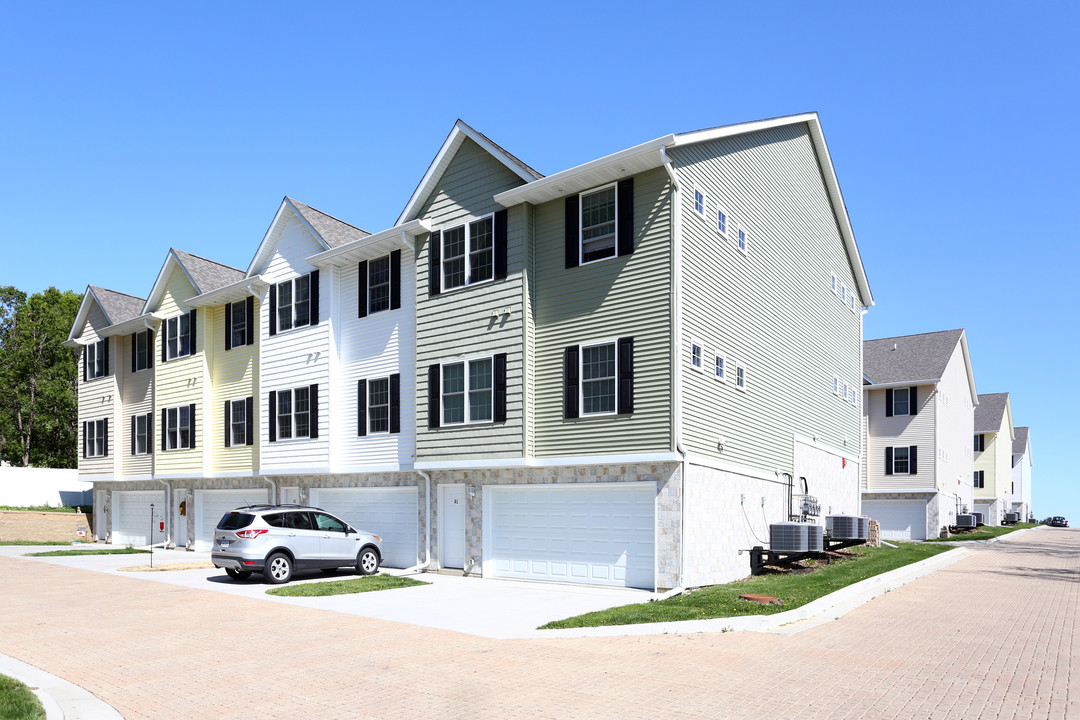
{"type": "Point", "coordinates": [235, 521]}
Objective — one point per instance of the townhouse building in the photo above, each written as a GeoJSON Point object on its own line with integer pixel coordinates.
{"type": "Point", "coordinates": [919, 408]}
{"type": "Point", "coordinates": [994, 437]}
{"type": "Point", "coordinates": [1022, 463]}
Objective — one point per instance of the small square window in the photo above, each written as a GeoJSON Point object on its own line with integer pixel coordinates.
{"type": "Point", "coordinates": [740, 376]}
{"type": "Point", "coordinates": [719, 368]}
{"type": "Point", "coordinates": [697, 355]}
{"type": "Point", "coordinates": [699, 202]}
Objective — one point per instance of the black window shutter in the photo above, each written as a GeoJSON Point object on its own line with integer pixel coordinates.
{"type": "Point", "coordinates": [192, 330]}
{"type": "Point", "coordinates": [249, 420]}
{"type": "Point", "coordinates": [273, 310]}
{"type": "Point", "coordinates": [888, 402]}
{"type": "Point", "coordinates": [313, 415]}
{"type": "Point", "coordinates": [913, 459]}
{"type": "Point", "coordinates": [570, 365]}
{"type": "Point", "coordinates": [149, 354]}
{"type": "Point", "coordinates": [572, 232]}
{"type": "Point", "coordinates": [434, 263]}
{"type": "Point", "coordinates": [150, 431]}
{"type": "Point", "coordinates": [228, 326]}
{"type": "Point", "coordinates": [85, 363]}
{"type": "Point", "coordinates": [361, 288]}
{"type": "Point", "coordinates": [500, 388]}
{"type": "Point", "coordinates": [105, 436]}
{"type": "Point", "coordinates": [888, 461]}
{"type": "Point", "coordinates": [501, 245]}
{"type": "Point", "coordinates": [191, 421]}
{"type": "Point", "coordinates": [395, 280]}
{"type": "Point", "coordinates": [395, 403]}
{"type": "Point", "coordinates": [913, 404]}
{"type": "Point", "coordinates": [272, 409]}
{"type": "Point", "coordinates": [626, 376]}
{"type": "Point", "coordinates": [361, 408]}
{"type": "Point", "coordinates": [85, 440]}
{"type": "Point", "coordinates": [132, 434]}
{"type": "Point", "coordinates": [625, 217]}
{"type": "Point", "coordinates": [433, 396]}
{"type": "Point", "coordinates": [134, 353]}
{"type": "Point", "coordinates": [164, 430]}
{"type": "Point", "coordinates": [313, 286]}
{"type": "Point", "coordinates": [252, 321]}
{"type": "Point", "coordinates": [105, 356]}
{"type": "Point", "coordinates": [228, 425]}
{"type": "Point", "coordinates": [164, 341]}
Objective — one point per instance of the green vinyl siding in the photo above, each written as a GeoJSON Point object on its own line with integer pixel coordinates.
{"type": "Point", "coordinates": [469, 322]}
{"type": "Point", "coordinates": [619, 297]}
{"type": "Point", "coordinates": [771, 309]}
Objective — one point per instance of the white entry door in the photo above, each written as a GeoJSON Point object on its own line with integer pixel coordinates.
{"type": "Point", "coordinates": [452, 527]}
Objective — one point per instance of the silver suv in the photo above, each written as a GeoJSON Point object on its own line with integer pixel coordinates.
{"type": "Point", "coordinates": [276, 539]}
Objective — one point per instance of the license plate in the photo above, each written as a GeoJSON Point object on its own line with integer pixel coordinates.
{"type": "Point", "coordinates": [224, 542]}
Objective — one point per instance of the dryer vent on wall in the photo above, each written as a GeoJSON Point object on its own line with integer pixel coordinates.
{"type": "Point", "coordinates": [793, 537]}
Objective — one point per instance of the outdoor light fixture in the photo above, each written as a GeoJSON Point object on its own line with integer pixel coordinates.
{"type": "Point", "coordinates": [472, 491]}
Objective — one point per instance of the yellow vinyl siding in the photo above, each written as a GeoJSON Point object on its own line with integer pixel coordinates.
{"type": "Point", "coordinates": [234, 375]}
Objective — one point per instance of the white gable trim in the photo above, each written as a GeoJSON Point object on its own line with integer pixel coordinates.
{"type": "Point", "coordinates": [162, 280]}
{"type": "Point", "coordinates": [442, 160]}
{"type": "Point", "coordinates": [967, 366]}
{"type": "Point", "coordinates": [269, 242]}
{"type": "Point", "coordinates": [89, 297]}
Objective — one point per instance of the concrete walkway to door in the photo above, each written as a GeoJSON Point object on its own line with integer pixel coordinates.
{"type": "Point", "coordinates": [992, 636]}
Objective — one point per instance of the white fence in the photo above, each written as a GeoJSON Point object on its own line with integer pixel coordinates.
{"type": "Point", "coordinates": [23, 487]}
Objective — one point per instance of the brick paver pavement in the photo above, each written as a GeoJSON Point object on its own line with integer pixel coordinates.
{"type": "Point", "coordinates": [993, 636]}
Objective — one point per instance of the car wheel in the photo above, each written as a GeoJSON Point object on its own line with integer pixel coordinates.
{"type": "Point", "coordinates": [367, 562]}
{"type": "Point", "coordinates": [238, 574]}
{"type": "Point", "coordinates": [278, 568]}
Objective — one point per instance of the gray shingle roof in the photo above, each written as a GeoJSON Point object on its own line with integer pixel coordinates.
{"type": "Point", "coordinates": [335, 232]}
{"type": "Point", "coordinates": [1020, 441]}
{"type": "Point", "coordinates": [989, 411]}
{"type": "Point", "coordinates": [207, 274]}
{"type": "Point", "coordinates": [117, 306]}
{"type": "Point", "coordinates": [909, 357]}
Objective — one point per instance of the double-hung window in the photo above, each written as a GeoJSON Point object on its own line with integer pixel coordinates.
{"type": "Point", "coordinates": [980, 442]}
{"type": "Point", "coordinates": [293, 414]}
{"type": "Point", "coordinates": [179, 427]}
{"type": "Point", "coordinates": [180, 336]}
{"type": "Point", "coordinates": [980, 479]}
{"type": "Point", "coordinates": [96, 359]}
{"type": "Point", "coordinates": [697, 356]}
{"type": "Point", "coordinates": [378, 284]}
{"type": "Point", "coordinates": [467, 391]}
{"type": "Point", "coordinates": [722, 221]}
{"type": "Point", "coordinates": [740, 376]}
{"type": "Point", "coordinates": [294, 303]}
{"type": "Point", "coordinates": [901, 461]}
{"type": "Point", "coordinates": [96, 438]}
{"type": "Point", "coordinates": [743, 241]}
{"type": "Point", "coordinates": [236, 432]}
{"type": "Point", "coordinates": [141, 434]}
{"type": "Point", "coordinates": [378, 402]}
{"type": "Point", "coordinates": [901, 401]}
{"type": "Point", "coordinates": [142, 350]}
{"type": "Point", "coordinates": [598, 378]}
{"type": "Point", "coordinates": [699, 201]}
{"type": "Point", "coordinates": [719, 369]}
{"type": "Point", "coordinates": [378, 405]}
{"type": "Point", "coordinates": [598, 213]}
{"type": "Point", "coordinates": [468, 253]}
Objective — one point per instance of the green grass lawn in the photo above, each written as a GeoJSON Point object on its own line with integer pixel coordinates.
{"type": "Point", "coordinates": [102, 551]}
{"type": "Point", "coordinates": [32, 542]}
{"type": "Point", "coordinates": [793, 588]}
{"type": "Point", "coordinates": [985, 532]}
{"type": "Point", "coordinates": [367, 583]}
{"type": "Point", "coordinates": [17, 702]}
{"type": "Point", "coordinates": [47, 508]}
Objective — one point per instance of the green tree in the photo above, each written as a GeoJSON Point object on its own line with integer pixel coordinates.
{"type": "Point", "coordinates": [38, 378]}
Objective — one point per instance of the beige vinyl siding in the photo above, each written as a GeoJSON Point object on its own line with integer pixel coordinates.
{"type": "Point", "coordinates": [901, 431]}
{"type": "Point", "coordinates": [235, 377]}
{"type": "Point", "coordinates": [137, 398]}
{"type": "Point", "coordinates": [618, 297]}
{"type": "Point", "coordinates": [98, 399]}
{"type": "Point", "coordinates": [181, 381]}
{"type": "Point", "coordinates": [469, 322]}
{"type": "Point", "coordinates": [771, 309]}
{"type": "Point", "coordinates": [996, 462]}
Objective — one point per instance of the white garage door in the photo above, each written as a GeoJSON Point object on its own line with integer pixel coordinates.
{"type": "Point", "coordinates": [599, 534]}
{"type": "Point", "coordinates": [389, 512]}
{"type": "Point", "coordinates": [131, 516]}
{"type": "Point", "coordinates": [900, 519]}
{"type": "Point", "coordinates": [211, 506]}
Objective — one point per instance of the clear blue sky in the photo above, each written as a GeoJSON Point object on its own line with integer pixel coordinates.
{"type": "Point", "coordinates": [129, 128]}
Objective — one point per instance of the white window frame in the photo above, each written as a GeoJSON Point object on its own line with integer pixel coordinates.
{"type": "Point", "coordinates": [171, 327]}
{"type": "Point", "coordinates": [146, 434]}
{"type": "Point", "coordinates": [292, 413]}
{"type": "Point", "coordinates": [581, 224]}
{"type": "Point", "coordinates": [95, 438]}
{"type": "Point", "coordinates": [371, 285]}
{"type": "Point", "coordinates": [614, 342]}
{"type": "Point", "coordinates": [836, 385]}
{"type": "Point", "coordinates": [467, 229]}
{"type": "Point", "coordinates": [147, 338]}
{"type": "Point", "coordinates": [847, 389]}
{"type": "Point", "coordinates": [95, 360]}
{"type": "Point", "coordinates": [233, 326]}
{"type": "Point", "coordinates": [907, 412]}
{"type": "Point", "coordinates": [854, 398]}
{"type": "Point", "coordinates": [704, 211]}
{"type": "Point", "coordinates": [172, 420]}
{"type": "Point", "coordinates": [700, 347]}
{"type": "Point", "coordinates": [843, 293]}
{"type": "Point", "coordinates": [467, 390]}
{"type": "Point", "coordinates": [291, 282]}
{"type": "Point", "coordinates": [834, 283]}
{"type": "Point", "coordinates": [725, 231]}
{"type": "Point", "coordinates": [742, 240]}
{"type": "Point", "coordinates": [907, 459]}
{"type": "Point", "coordinates": [369, 405]}
{"type": "Point", "coordinates": [720, 359]}
{"type": "Point", "coordinates": [242, 402]}
{"type": "Point", "coordinates": [851, 302]}
{"type": "Point", "coordinates": [741, 376]}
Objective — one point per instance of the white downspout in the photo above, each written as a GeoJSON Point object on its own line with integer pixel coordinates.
{"type": "Point", "coordinates": [427, 525]}
{"type": "Point", "coordinates": [676, 304]}
{"type": "Point", "coordinates": [167, 514]}
{"type": "Point", "coordinates": [274, 495]}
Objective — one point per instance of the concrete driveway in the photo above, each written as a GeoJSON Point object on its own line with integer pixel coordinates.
{"type": "Point", "coordinates": [992, 636]}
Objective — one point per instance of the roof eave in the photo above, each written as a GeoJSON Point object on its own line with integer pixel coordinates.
{"type": "Point", "coordinates": [230, 293]}
{"type": "Point", "coordinates": [899, 383]}
{"type": "Point", "coordinates": [372, 245]}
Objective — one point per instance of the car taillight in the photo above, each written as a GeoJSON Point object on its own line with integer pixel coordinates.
{"type": "Point", "coordinates": [249, 534]}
